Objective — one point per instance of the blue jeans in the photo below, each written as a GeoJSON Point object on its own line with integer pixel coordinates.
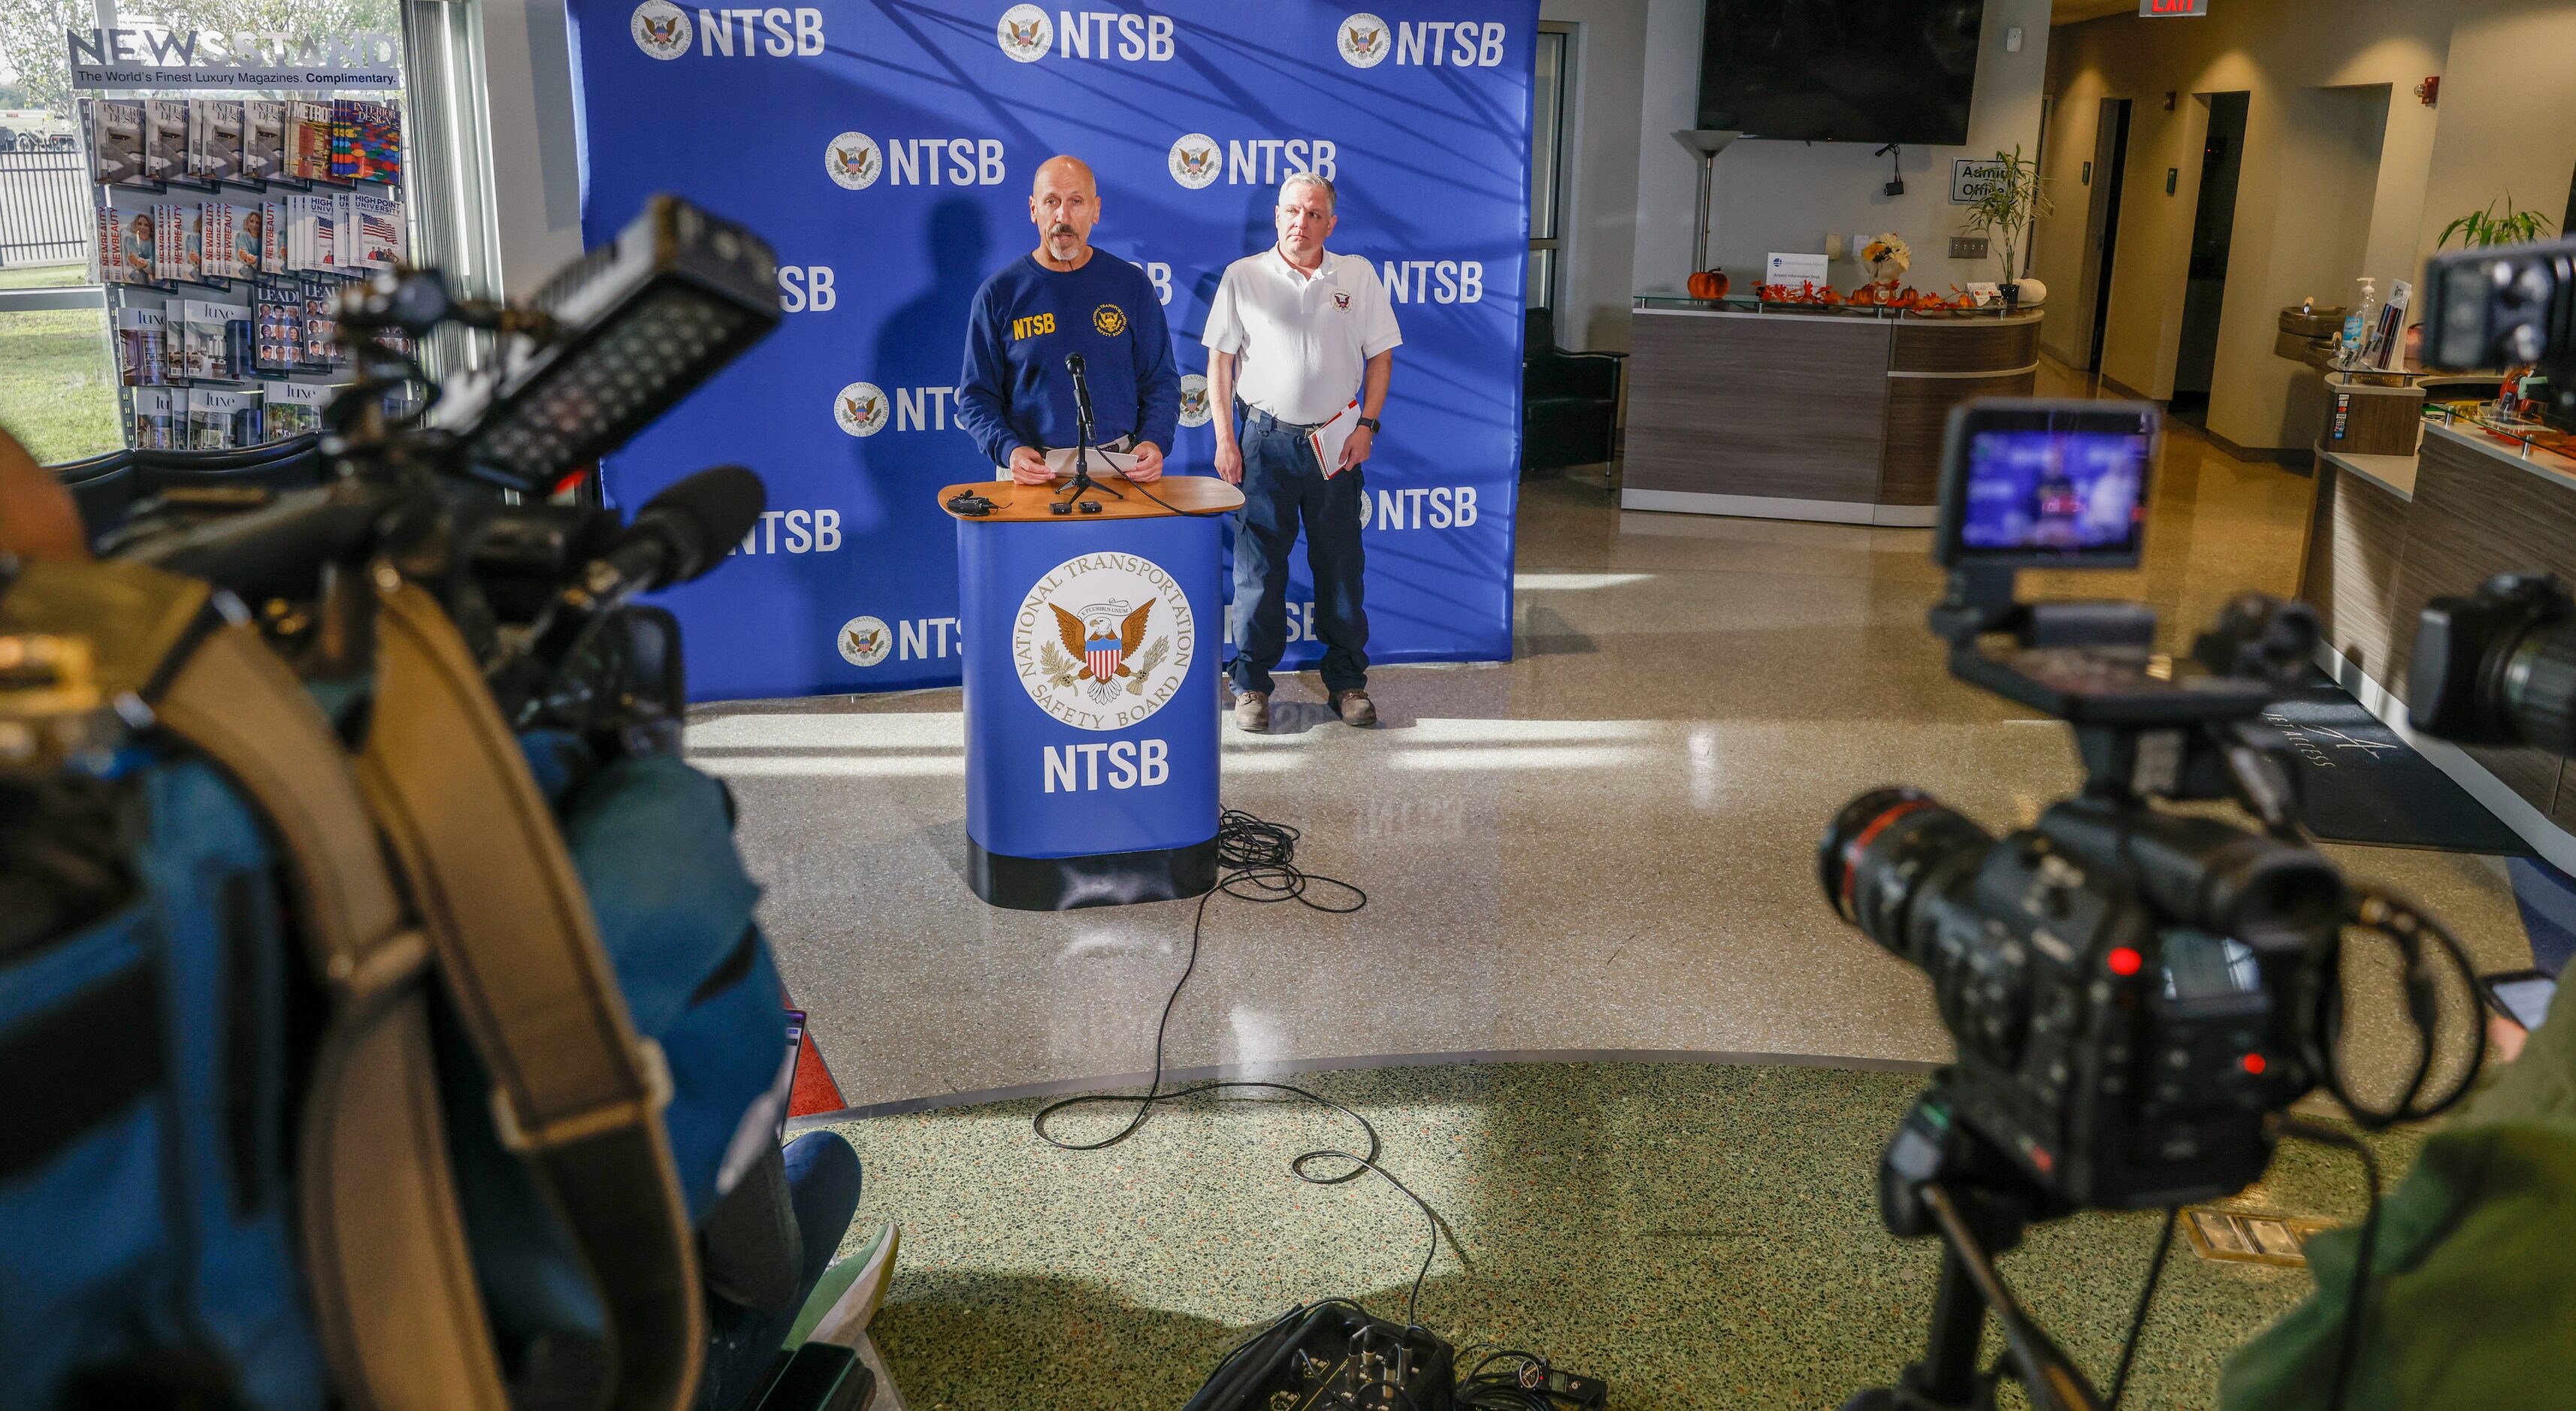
{"type": "Point", "coordinates": [1282, 485]}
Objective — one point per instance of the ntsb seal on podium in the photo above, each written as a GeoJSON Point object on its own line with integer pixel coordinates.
{"type": "Point", "coordinates": [1102, 641]}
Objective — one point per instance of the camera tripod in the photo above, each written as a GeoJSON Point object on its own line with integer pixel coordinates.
{"type": "Point", "coordinates": [1940, 1177]}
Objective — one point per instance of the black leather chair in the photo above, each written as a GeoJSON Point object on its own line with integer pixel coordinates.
{"type": "Point", "coordinates": [1569, 401]}
{"type": "Point", "coordinates": [108, 488]}
{"type": "Point", "coordinates": [104, 487]}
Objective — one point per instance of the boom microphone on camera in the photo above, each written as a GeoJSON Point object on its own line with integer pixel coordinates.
{"type": "Point", "coordinates": [678, 535]}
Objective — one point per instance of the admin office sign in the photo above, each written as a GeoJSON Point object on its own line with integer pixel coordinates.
{"type": "Point", "coordinates": [152, 57]}
{"type": "Point", "coordinates": [885, 148]}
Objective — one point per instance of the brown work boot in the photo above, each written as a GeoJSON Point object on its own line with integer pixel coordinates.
{"type": "Point", "coordinates": [1355, 707]}
{"type": "Point", "coordinates": [1252, 711]}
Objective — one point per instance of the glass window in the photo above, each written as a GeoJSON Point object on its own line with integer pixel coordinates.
{"type": "Point", "coordinates": [57, 380]}
{"type": "Point", "coordinates": [1547, 147]}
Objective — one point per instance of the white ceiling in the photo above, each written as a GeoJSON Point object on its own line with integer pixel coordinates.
{"type": "Point", "coordinates": [2069, 11]}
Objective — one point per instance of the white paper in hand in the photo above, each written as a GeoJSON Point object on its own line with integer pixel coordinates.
{"type": "Point", "coordinates": [1103, 463]}
{"type": "Point", "coordinates": [1327, 439]}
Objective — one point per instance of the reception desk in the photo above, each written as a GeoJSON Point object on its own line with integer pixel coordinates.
{"type": "Point", "coordinates": [1739, 409]}
{"type": "Point", "coordinates": [2390, 532]}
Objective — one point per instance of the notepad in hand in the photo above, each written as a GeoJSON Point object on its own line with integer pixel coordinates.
{"type": "Point", "coordinates": [1327, 439]}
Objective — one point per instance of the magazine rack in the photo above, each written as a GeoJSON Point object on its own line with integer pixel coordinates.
{"type": "Point", "coordinates": [225, 226]}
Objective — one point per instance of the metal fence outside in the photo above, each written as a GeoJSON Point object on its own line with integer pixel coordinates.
{"type": "Point", "coordinates": [45, 215]}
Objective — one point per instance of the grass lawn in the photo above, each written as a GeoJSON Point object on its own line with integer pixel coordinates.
{"type": "Point", "coordinates": [57, 375]}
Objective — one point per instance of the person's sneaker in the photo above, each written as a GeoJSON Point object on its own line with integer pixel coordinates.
{"type": "Point", "coordinates": [1252, 711]}
{"type": "Point", "coordinates": [847, 1297]}
{"type": "Point", "coordinates": [1355, 707]}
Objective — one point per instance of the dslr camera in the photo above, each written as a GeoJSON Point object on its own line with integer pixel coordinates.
{"type": "Point", "coordinates": [2136, 993]}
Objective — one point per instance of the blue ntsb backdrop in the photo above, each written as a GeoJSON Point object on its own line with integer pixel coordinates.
{"type": "Point", "coordinates": [886, 150]}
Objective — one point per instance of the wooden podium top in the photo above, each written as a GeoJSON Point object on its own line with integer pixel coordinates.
{"type": "Point", "coordinates": [1015, 503]}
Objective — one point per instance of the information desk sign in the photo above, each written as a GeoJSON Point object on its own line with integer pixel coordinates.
{"type": "Point", "coordinates": [1091, 646]}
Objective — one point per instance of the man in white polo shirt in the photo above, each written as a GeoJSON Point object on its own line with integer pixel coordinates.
{"type": "Point", "coordinates": [1297, 334]}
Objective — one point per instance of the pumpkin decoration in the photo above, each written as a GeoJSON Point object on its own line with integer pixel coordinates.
{"type": "Point", "coordinates": [1708, 284]}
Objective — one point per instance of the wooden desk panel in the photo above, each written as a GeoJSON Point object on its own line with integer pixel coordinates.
{"type": "Point", "coordinates": [2355, 544]}
{"type": "Point", "coordinates": [1755, 405]}
{"type": "Point", "coordinates": [1966, 343]}
{"type": "Point", "coordinates": [1918, 420]}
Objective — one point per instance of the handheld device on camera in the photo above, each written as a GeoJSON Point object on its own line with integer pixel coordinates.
{"type": "Point", "coordinates": [2135, 993]}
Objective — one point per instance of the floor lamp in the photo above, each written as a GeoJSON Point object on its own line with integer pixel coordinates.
{"type": "Point", "coordinates": [1704, 144]}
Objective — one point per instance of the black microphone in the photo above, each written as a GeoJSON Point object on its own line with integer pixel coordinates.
{"type": "Point", "coordinates": [678, 535]}
{"type": "Point", "coordinates": [1081, 391]}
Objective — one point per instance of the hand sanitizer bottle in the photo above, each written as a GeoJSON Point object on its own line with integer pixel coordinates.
{"type": "Point", "coordinates": [2356, 324]}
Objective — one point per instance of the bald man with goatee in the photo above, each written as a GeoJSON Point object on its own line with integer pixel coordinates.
{"type": "Point", "coordinates": [1015, 396]}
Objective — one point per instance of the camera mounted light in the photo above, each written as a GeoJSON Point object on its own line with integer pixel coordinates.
{"type": "Point", "coordinates": [629, 330]}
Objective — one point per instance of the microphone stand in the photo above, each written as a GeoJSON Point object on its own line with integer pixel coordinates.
{"type": "Point", "coordinates": [1082, 483]}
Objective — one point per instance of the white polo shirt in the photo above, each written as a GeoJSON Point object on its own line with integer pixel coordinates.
{"type": "Point", "coordinates": [1302, 341]}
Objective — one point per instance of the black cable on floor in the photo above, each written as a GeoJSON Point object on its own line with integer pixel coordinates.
{"type": "Point", "coordinates": [1503, 1391]}
{"type": "Point", "coordinates": [2146, 1296]}
{"type": "Point", "coordinates": [1259, 862]}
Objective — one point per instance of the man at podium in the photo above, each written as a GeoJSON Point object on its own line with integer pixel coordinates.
{"type": "Point", "coordinates": [1015, 396]}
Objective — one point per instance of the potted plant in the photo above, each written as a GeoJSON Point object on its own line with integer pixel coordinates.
{"type": "Point", "coordinates": [2011, 201]}
{"type": "Point", "coordinates": [2488, 228]}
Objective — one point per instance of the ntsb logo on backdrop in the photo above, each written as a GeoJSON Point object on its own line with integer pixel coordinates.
{"type": "Point", "coordinates": [853, 161]}
{"type": "Point", "coordinates": [860, 408]}
{"type": "Point", "coordinates": [1195, 161]}
{"type": "Point", "coordinates": [1362, 40]}
{"type": "Point", "coordinates": [864, 640]}
{"type": "Point", "coordinates": [1025, 33]}
{"type": "Point", "coordinates": [663, 30]}
{"type": "Point", "coordinates": [1365, 41]}
{"type": "Point", "coordinates": [1198, 160]}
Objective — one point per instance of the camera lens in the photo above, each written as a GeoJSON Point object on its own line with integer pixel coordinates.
{"type": "Point", "coordinates": [2539, 687]}
{"type": "Point", "coordinates": [1881, 848]}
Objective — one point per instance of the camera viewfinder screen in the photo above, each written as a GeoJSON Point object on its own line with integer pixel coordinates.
{"type": "Point", "coordinates": [2078, 493]}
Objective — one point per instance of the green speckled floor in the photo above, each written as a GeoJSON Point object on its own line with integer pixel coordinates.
{"type": "Point", "coordinates": [1701, 1236]}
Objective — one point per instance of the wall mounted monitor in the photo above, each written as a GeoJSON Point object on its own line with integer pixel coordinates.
{"type": "Point", "coordinates": [1870, 71]}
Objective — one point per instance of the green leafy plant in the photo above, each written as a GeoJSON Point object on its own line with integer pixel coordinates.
{"type": "Point", "coordinates": [2016, 197]}
{"type": "Point", "coordinates": [2485, 227]}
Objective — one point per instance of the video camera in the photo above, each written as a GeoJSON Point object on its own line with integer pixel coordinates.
{"type": "Point", "coordinates": [2136, 994]}
{"type": "Point", "coordinates": [439, 491]}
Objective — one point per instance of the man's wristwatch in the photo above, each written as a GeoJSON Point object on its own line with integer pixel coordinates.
{"type": "Point", "coordinates": [1370, 422]}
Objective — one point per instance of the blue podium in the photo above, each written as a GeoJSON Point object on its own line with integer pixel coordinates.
{"type": "Point", "coordinates": [1092, 646]}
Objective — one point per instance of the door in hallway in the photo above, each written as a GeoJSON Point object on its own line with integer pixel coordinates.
{"type": "Point", "coordinates": [2213, 225]}
{"type": "Point", "coordinates": [2111, 160]}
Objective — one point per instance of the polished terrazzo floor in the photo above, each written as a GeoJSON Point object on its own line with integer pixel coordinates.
{"type": "Point", "coordinates": [1702, 1236]}
{"type": "Point", "coordinates": [1603, 848]}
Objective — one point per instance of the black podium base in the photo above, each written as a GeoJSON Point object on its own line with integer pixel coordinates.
{"type": "Point", "coordinates": [1101, 879]}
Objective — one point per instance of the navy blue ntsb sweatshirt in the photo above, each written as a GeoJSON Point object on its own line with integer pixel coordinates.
{"type": "Point", "coordinates": [1015, 391]}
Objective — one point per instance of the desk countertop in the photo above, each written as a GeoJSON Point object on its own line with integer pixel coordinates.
{"type": "Point", "coordinates": [2394, 474]}
{"type": "Point", "coordinates": [1173, 494]}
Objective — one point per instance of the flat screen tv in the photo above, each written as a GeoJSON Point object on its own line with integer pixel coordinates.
{"type": "Point", "coordinates": [1841, 70]}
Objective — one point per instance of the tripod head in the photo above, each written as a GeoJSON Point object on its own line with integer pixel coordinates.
{"type": "Point", "coordinates": [1940, 1177]}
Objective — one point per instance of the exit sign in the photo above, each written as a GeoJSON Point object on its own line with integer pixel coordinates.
{"type": "Point", "coordinates": [2173, 7]}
